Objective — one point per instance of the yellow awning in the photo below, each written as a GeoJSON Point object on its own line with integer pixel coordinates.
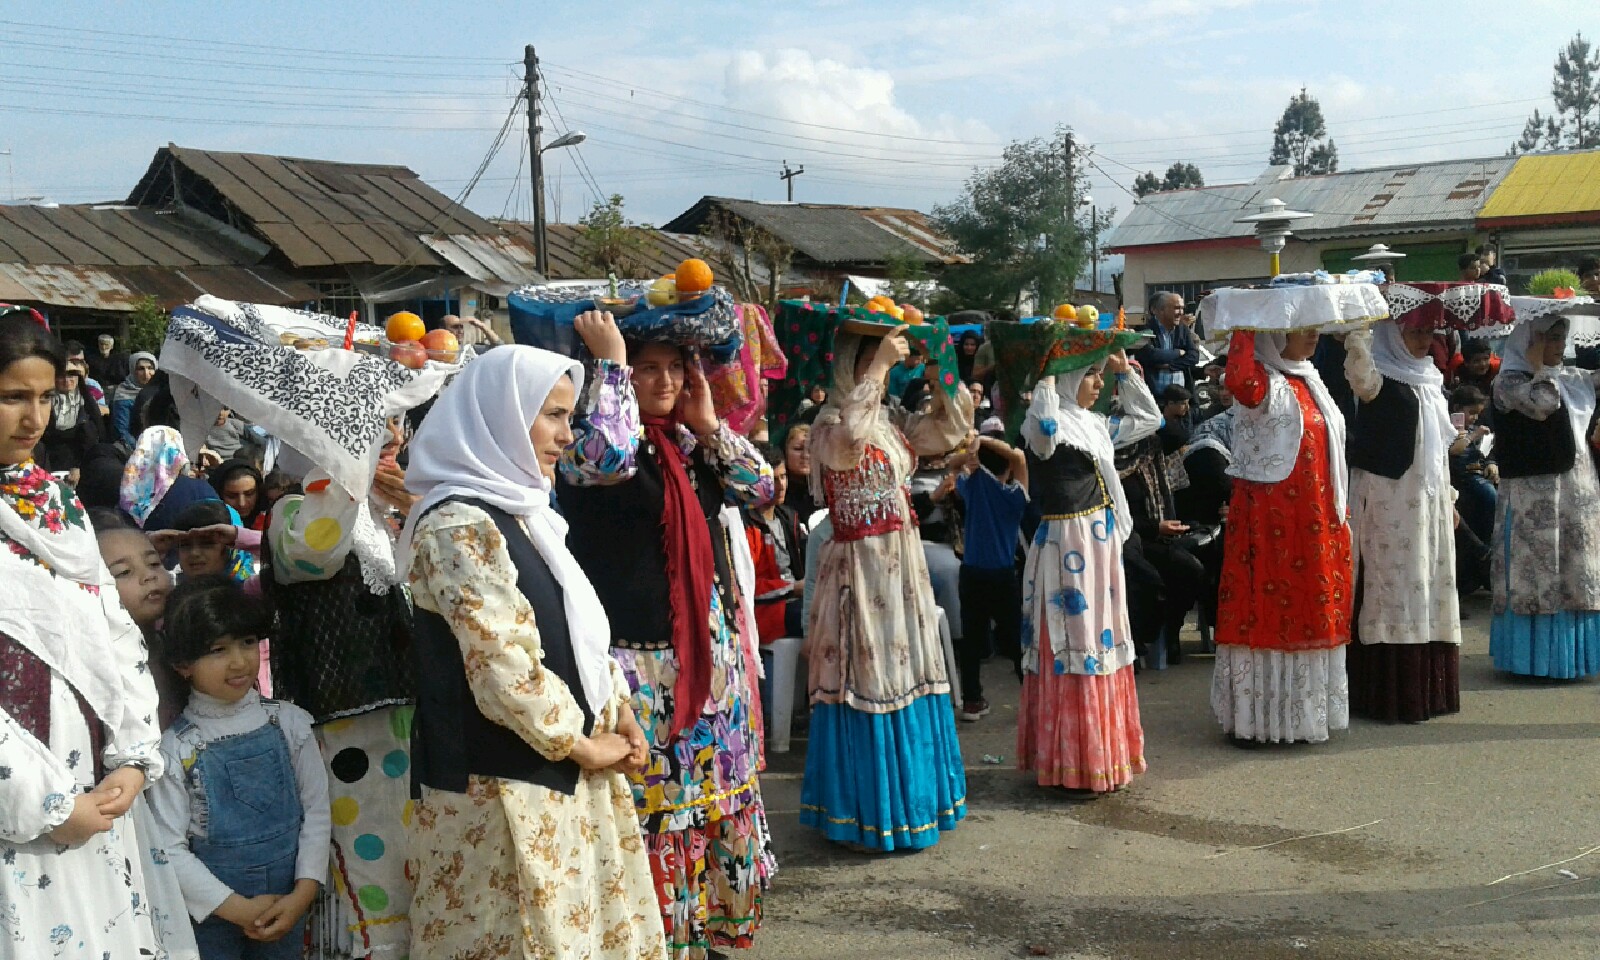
{"type": "Point", "coordinates": [1546, 185]}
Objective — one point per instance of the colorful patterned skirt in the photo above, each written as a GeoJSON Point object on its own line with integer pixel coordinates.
{"type": "Point", "coordinates": [365, 910]}
{"type": "Point", "coordinates": [698, 799]}
{"type": "Point", "coordinates": [884, 781]}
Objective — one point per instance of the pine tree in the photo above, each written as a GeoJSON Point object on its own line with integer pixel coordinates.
{"type": "Point", "coordinates": [1574, 124]}
{"type": "Point", "coordinates": [1180, 176]}
{"type": "Point", "coordinates": [1301, 138]}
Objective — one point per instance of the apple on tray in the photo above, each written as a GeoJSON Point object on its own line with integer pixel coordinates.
{"type": "Point", "coordinates": [409, 353]}
{"type": "Point", "coordinates": [441, 345]}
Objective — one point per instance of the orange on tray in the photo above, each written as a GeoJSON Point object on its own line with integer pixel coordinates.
{"type": "Point", "coordinates": [404, 326]}
{"type": "Point", "coordinates": [1065, 311]}
{"type": "Point", "coordinates": [911, 314]}
{"type": "Point", "coordinates": [694, 276]}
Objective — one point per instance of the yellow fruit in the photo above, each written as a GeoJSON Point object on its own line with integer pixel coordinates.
{"type": "Point", "coordinates": [693, 276]}
{"type": "Point", "coordinates": [404, 326]}
{"type": "Point", "coordinates": [663, 292]}
{"type": "Point", "coordinates": [1090, 313]}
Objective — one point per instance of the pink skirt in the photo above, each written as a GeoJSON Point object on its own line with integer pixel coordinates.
{"type": "Point", "coordinates": [1081, 732]}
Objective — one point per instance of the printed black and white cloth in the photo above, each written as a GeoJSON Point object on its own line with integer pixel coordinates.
{"type": "Point", "coordinates": [329, 406]}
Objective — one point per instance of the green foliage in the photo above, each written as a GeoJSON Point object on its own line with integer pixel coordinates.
{"type": "Point", "coordinates": [1545, 283]}
{"type": "Point", "coordinates": [611, 244]}
{"type": "Point", "coordinates": [147, 329]}
{"type": "Point", "coordinates": [1574, 124]}
{"type": "Point", "coordinates": [1301, 138]}
{"type": "Point", "coordinates": [1018, 222]}
{"type": "Point", "coordinates": [906, 275]}
{"type": "Point", "coordinates": [1180, 176]}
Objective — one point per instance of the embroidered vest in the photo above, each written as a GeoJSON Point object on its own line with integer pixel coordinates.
{"type": "Point", "coordinates": [866, 501]}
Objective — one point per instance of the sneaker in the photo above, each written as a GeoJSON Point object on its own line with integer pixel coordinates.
{"type": "Point", "coordinates": [972, 710]}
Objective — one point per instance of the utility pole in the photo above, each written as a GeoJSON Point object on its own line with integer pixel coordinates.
{"type": "Point", "coordinates": [530, 90]}
{"type": "Point", "coordinates": [787, 176]}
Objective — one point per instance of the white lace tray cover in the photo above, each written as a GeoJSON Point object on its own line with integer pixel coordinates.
{"type": "Point", "coordinates": [1582, 313]}
{"type": "Point", "coordinates": [1325, 306]}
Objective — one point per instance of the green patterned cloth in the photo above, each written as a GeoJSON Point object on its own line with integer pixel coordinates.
{"type": "Point", "coordinates": [805, 332]}
{"type": "Point", "coordinates": [1027, 352]}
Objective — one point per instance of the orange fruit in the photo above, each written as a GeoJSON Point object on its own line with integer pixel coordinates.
{"type": "Point", "coordinates": [911, 314]}
{"type": "Point", "coordinates": [876, 304]}
{"type": "Point", "coordinates": [694, 276]}
{"type": "Point", "coordinates": [1066, 312]}
{"type": "Point", "coordinates": [895, 312]}
{"type": "Point", "coordinates": [404, 326]}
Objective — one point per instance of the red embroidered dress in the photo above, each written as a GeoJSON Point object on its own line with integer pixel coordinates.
{"type": "Point", "coordinates": [1286, 580]}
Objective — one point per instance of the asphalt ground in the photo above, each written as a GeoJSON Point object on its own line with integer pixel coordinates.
{"type": "Point", "coordinates": [1219, 851]}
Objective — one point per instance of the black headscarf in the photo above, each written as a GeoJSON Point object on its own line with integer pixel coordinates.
{"type": "Point", "coordinates": [232, 468]}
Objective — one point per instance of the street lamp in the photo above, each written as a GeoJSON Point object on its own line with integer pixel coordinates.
{"type": "Point", "coordinates": [1381, 257]}
{"type": "Point", "coordinates": [570, 139]}
{"type": "Point", "coordinates": [1272, 227]}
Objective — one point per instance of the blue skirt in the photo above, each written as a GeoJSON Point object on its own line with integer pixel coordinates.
{"type": "Point", "coordinates": [885, 781]}
{"type": "Point", "coordinates": [1563, 645]}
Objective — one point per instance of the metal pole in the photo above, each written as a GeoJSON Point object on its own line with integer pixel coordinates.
{"type": "Point", "coordinates": [1094, 247]}
{"type": "Point", "coordinates": [530, 67]}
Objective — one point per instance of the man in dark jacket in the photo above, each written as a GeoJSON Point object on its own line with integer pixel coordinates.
{"type": "Point", "coordinates": [1171, 357]}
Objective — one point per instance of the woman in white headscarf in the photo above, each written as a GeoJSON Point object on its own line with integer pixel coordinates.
{"type": "Point", "coordinates": [883, 768]}
{"type": "Point", "coordinates": [1283, 605]}
{"type": "Point", "coordinates": [1546, 556]}
{"type": "Point", "coordinates": [524, 726]}
{"type": "Point", "coordinates": [1078, 725]}
{"type": "Point", "coordinates": [1406, 665]}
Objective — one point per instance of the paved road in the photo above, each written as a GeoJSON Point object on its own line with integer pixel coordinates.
{"type": "Point", "coordinates": [1203, 856]}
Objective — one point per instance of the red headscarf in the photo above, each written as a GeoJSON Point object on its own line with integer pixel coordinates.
{"type": "Point", "coordinates": [687, 544]}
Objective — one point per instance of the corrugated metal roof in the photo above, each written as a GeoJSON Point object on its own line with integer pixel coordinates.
{"type": "Point", "coordinates": [118, 289]}
{"type": "Point", "coordinates": [1381, 201]}
{"type": "Point", "coordinates": [833, 233]}
{"type": "Point", "coordinates": [86, 235]}
{"type": "Point", "coordinates": [500, 263]}
{"type": "Point", "coordinates": [1546, 184]}
{"type": "Point", "coordinates": [317, 213]}
{"type": "Point", "coordinates": [665, 251]}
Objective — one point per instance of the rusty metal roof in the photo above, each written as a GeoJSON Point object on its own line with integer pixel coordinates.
{"type": "Point", "coordinates": [1382, 201]}
{"type": "Point", "coordinates": [114, 236]}
{"type": "Point", "coordinates": [315, 212]}
{"type": "Point", "coordinates": [662, 256]}
{"type": "Point", "coordinates": [833, 233]}
{"type": "Point", "coordinates": [499, 262]}
{"type": "Point", "coordinates": [119, 289]}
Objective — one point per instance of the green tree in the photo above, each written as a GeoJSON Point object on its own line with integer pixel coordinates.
{"type": "Point", "coordinates": [611, 244]}
{"type": "Point", "coordinates": [1574, 124]}
{"type": "Point", "coordinates": [1180, 176]}
{"type": "Point", "coordinates": [1019, 225]}
{"type": "Point", "coordinates": [147, 328]}
{"type": "Point", "coordinates": [907, 276]}
{"type": "Point", "coordinates": [1301, 138]}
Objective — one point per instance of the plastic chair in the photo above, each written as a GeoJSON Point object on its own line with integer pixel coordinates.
{"type": "Point", "coordinates": [782, 678]}
{"type": "Point", "coordinates": [950, 665]}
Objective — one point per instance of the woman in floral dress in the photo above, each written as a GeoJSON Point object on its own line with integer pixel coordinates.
{"type": "Point", "coordinates": [883, 769]}
{"type": "Point", "coordinates": [648, 534]}
{"type": "Point", "coordinates": [1547, 529]}
{"type": "Point", "coordinates": [1283, 615]}
{"type": "Point", "coordinates": [78, 734]}
{"type": "Point", "coordinates": [524, 727]}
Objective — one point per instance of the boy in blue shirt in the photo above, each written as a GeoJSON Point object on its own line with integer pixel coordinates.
{"type": "Point", "coordinates": [993, 484]}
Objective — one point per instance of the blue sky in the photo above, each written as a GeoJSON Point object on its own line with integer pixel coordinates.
{"type": "Point", "coordinates": [883, 103]}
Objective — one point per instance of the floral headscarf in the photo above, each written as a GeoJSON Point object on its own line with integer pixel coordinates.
{"type": "Point", "coordinates": [158, 461]}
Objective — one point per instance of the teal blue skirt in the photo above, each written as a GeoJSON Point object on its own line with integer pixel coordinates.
{"type": "Point", "coordinates": [885, 781]}
{"type": "Point", "coordinates": [1564, 645]}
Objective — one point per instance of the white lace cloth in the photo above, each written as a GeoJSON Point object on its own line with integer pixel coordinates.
{"type": "Point", "coordinates": [1275, 696]}
{"type": "Point", "coordinates": [1326, 306]}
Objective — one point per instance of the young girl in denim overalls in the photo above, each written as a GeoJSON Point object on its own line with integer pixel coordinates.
{"type": "Point", "coordinates": [246, 821]}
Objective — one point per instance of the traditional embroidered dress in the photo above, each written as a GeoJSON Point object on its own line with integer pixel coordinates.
{"type": "Point", "coordinates": [76, 701]}
{"type": "Point", "coordinates": [546, 858]}
{"type": "Point", "coordinates": [1546, 555]}
{"type": "Point", "coordinates": [1284, 601]}
{"type": "Point", "coordinates": [883, 768]}
{"type": "Point", "coordinates": [1078, 724]}
{"type": "Point", "coordinates": [693, 686]}
{"type": "Point", "coordinates": [1406, 665]}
